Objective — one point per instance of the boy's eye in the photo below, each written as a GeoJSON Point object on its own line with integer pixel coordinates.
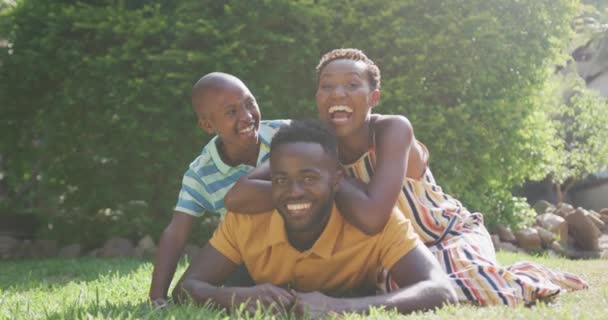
{"type": "Point", "coordinates": [279, 180]}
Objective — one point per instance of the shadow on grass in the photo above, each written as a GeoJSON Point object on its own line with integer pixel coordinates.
{"type": "Point", "coordinates": [146, 311]}
{"type": "Point", "coordinates": [19, 276]}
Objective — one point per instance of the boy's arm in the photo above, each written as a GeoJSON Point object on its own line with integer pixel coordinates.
{"type": "Point", "coordinates": [368, 208]}
{"type": "Point", "coordinates": [422, 286]}
{"type": "Point", "coordinates": [251, 193]}
{"type": "Point", "coordinates": [170, 247]}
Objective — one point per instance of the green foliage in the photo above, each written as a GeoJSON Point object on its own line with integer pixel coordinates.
{"type": "Point", "coordinates": [96, 107]}
{"type": "Point", "coordinates": [99, 109]}
{"type": "Point", "coordinates": [579, 116]}
{"type": "Point", "coordinates": [468, 75]}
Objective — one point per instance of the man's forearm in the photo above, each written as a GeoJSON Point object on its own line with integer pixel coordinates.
{"type": "Point", "coordinates": [425, 295]}
{"type": "Point", "coordinates": [201, 293]}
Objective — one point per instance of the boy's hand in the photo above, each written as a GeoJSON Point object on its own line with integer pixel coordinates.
{"type": "Point", "coordinates": [160, 303]}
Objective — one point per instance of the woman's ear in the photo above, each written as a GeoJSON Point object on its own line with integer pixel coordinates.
{"type": "Point", "coordinates": [374, 98]}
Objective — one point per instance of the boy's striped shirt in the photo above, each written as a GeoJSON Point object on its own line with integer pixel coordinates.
{"type": "Point", "coordinates": [208, 178]}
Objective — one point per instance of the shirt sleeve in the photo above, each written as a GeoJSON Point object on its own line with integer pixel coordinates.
{"type": "Point", "coordinates": [225, 239]}
{"type": "Point", "coordinates": [398, 238]}
{"type": "Point", "coordinates": [193, 199]}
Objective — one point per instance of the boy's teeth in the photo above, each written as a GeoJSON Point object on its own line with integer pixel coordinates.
{"type": "Point", "coordinates": [248, 129]}
{"type": "Point", "coordinates": [298, 206]}
{"type": "Point", "coordinates": [340, 108]}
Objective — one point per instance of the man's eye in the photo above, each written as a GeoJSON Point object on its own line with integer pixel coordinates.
{"type": "Point", "coordinates": [327, 86]}
{"type": "Point", "coordinates": [353, 85]}
{"type": "Point", "coordinates": [280, 180]}
{"type": "Point", "coordinates": [231, 112]}
{"type": "Point", "coordinates": [310, 179]}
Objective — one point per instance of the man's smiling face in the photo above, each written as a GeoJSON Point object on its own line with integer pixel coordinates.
{"type": "Point", "coordinates": [304, 181]}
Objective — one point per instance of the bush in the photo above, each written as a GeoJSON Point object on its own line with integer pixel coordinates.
{"type": "Point", "coordinates": [96, 93]}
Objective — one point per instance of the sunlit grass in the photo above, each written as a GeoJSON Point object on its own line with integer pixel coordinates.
{"type": "Point", "coordinates": [109, 288]}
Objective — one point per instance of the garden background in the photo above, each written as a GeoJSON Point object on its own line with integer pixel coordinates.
{"type": "Point", "coordinates": [97, 127]}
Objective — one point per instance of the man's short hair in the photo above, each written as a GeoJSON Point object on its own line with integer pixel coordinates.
{"type": "Point", "coordinates": [312, 131]}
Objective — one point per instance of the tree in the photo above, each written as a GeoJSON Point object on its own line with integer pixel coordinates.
{"type": "Point", "coordinates": [580, 120]}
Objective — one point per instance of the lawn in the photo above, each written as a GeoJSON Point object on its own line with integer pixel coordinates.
{"type": "Point", "coordinates": [106, 289]}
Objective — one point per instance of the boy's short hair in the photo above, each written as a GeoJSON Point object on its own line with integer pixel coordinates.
{"type": "Point", "coordinates": [211, 81]}
{"type": "Point", "coordinates": [312, 131]}
{"type": "Point", "coordinates": [373, 72]}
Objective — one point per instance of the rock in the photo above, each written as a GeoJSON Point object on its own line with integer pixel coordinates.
{"type": "Point", "coordinates": [24, 250]}
{"type": "Point", "coordinates": [557, 247]}
{"type": "Point", "coordinates": [93, 253]}
{"type": "Point", "coordinates": [528, 239]}
{"type": "Point", "coordinates": [191, 251]}
{"type": "Point", "coordinates": [8, 245]}
{"type": "Point", "coordinates": [43, 248]}
{"type": "Point", "coordinates": [546, 237]}
{"type": "Point", "coordinates": [495, 240]}
{"type": "Point", "coordinates": [505, 234]}
{"type": "Point", "coordinates": [117, 247]}
{"type": "Point", "coordinates": [563, 210]}
{"type": "Point", "coordinates": [70, 251]}
{"type": "Point", "coordinates": [555, 224]}
{"type": "Point", "coordinates": [542, 206]}
{"type": "Point", "coordinates": [583, 230]}
{"type": "Point", "coordinates": [595, 218]}
{"type": "Point", "coordinates": [574, 253]}
{"type": "Point", "coordinates": [506, 246]}
{"type": "Point", "coordinates": [145, 248]}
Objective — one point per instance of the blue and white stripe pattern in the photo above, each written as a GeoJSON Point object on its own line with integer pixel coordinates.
{"type": "Point", "coordinates": [208, 178]}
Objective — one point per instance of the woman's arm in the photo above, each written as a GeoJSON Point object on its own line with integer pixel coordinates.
{"type": "Point", "coordinates": [369, 207]}
{"type": "Point", "coordinates": [251, 193]}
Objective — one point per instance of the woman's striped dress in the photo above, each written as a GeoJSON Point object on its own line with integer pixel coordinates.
{"type": "Point", "coordinates": [463, 247]}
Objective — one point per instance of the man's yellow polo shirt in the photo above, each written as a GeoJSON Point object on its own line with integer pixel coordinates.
{"type": "Point", "coordinates": [342, 260]}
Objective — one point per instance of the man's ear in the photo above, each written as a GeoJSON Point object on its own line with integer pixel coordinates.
{"type": "Point", "coordinates": [206, 125]}
{"type": "Point", "coordinates": [374, 98]}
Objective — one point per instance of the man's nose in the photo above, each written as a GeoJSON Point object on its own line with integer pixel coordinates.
{"type": "Point", "coordinates": [295, 190]}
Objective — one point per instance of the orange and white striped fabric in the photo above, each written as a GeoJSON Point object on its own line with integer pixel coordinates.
{"type": "Point", "coordinates": [463, 247]}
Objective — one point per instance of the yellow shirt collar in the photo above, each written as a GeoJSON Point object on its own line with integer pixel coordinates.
{"type": "Point", "coordinates": [323, 247]}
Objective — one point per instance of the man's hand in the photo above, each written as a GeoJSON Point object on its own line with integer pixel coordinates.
{"type": "Point", "coordinates": [315, 305]}
{"type": "Point", "coordinates": [269, 296]}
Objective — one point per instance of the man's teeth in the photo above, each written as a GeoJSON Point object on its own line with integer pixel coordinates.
{"type": "Point", "coordinates": [298, 206]}
{"type": "Point", "coordinates": [340, 108]}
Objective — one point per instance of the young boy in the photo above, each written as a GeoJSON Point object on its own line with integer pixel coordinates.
{"type": "Point", "coordinates": [225, 107]}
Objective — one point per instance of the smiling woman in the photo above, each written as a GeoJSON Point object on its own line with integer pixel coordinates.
{"type": "Point", "coordinates": [381, 152]}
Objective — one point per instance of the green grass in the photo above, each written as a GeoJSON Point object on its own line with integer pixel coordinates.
{"type": "Point", "coordinates": [109, 289]}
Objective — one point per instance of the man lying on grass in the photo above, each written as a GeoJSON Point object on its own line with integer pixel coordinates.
{"type": "Point", "coordinates": [304, 256]}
